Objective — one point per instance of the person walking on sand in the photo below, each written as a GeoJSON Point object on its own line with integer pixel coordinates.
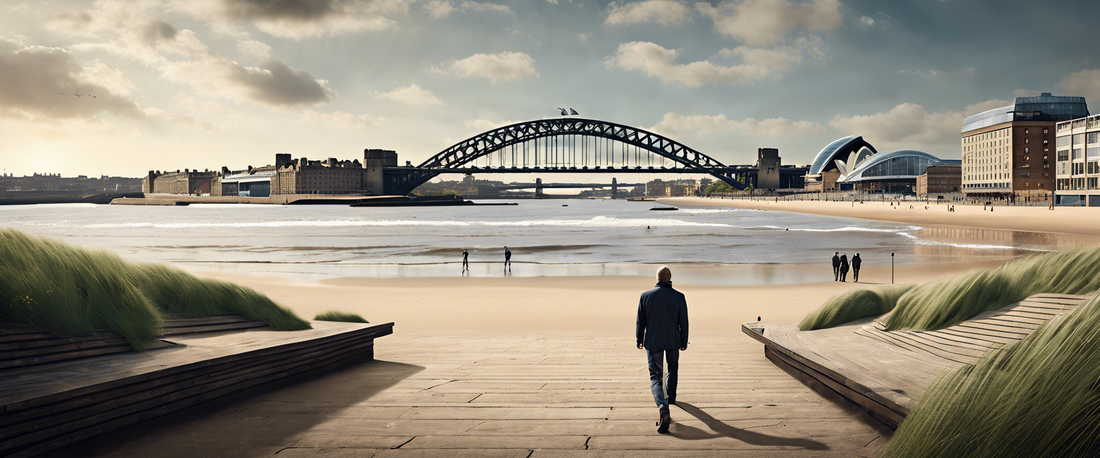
{"type": "Point", "coordinates": [856, 261]}
{"type": "Point", "coordinates": [507, 258]}
{"type": "Point", "coordinates": [465, 260]}
{"type": "Point", "coordinates": [843, 267]}
{"type": "Point", "coordinates": [663, 333]}
{"type": "Point", "coordinates": [836, 266]}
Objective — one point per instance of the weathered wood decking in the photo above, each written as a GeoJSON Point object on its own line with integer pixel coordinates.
{"type": "Point", "coordinates": [886, 372]}
{"type": "Point", "coordinates": [44, 407]}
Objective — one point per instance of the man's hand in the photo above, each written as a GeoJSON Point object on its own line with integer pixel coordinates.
{"type": "Point", "coordinates": [683, 348]}
{"type": "Point", "coordinates": [639, 346]}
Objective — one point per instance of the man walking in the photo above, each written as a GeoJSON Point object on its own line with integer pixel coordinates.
{"type": "Point", "coordinates": [465, 260]}
{"type": "Point", "coordinates": [507, 258]}
{"type": "Point", "coordinates": [856, 261]}
{"type": "Point", "coordinates": [663, 332]}
{"type": "Point", "coordinates": [843, 267]}
{"type": "Point", "coordinates": [836, 266]}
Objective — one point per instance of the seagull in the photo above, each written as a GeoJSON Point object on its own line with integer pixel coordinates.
{"type": "Point", "coordinates": [563, 112]}
{"type": "Point", "coordinates": [573, 112]}
{"type": "Point", "coordinates": [78, 95]}
{"type": "Point", "coordinates": [61, 93]}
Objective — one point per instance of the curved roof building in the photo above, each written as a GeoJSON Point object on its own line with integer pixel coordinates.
{"type": "Point", "coordinates": [839, 149]}
{"type": "Point", "coordinates": [892, 165]}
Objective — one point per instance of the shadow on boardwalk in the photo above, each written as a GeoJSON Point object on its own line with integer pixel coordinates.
{"type": "Point", "coordinates": [681, 431]}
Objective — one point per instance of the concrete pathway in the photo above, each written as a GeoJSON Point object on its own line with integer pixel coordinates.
{"type": "Point", "coordinates": [563, 394]}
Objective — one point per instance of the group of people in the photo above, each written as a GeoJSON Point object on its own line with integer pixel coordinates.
{"type": "Point", "coordinates": [466, 259]}
{"type": "Point", "coordinates": [841, 267]}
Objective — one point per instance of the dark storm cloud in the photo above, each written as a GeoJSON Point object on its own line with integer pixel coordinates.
{"type": "Point", "coordinates": [156, 31]}
{"type": "Point", "coordinates": [41, 82]}
{"type": "Point", "coordinates": [282, 10]}
{"type": "Point", "coordinates": [275, 83]}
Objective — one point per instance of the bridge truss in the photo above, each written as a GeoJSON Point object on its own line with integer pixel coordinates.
{"type": "Point", "coordinates": [562, 145]}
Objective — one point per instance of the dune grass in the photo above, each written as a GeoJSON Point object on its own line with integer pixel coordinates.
{"type": "Point", "coordinates": [853, 305]}
{"type": "Point", "coordinates": [1040, 397]}
{"type": "Point", "coordinates": [333, 315]}
{"type": "Point", "coordinates": [936, 305]}
{"type": "Point", "coordinates": [69, 290]}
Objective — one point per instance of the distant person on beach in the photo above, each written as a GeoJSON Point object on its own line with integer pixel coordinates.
{"type": "Point", "coordinates": [507, 258]}
{"type": "Point", "coordinates": [843, 267]}
{"type": "Point", "coordinates": [663, 332]}
{"type": "Point", "coordinates": [856, 261]}
{"type": "Point", "coordinates": [836, 266]}
{"type": "Point", "coordinates": [465, 259]}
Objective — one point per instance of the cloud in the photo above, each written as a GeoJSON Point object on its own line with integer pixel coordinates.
{"type": "Point", "coordinates": [664, 12]}
{"type": "Point", "coordinates": [908, 125]}
{"type": "Point", "coordinates": [411, 95]}
{"type": "Point", "coordinates": [299, 19]}
{"type": "Point", "coordinates": [780, 58]}
{"type": "Point", "coordinates": [761, 22]}
{"type": "Point", "coordinates": [272, 83]}
{"type": "Point", "coordinates": [1085, 83]}
{"type": "Point", "coordinates": [653, 60]}
{"type": "Point", "coordinates": [202, 107]}
{"type": "Point", "coordinates": [438, 9]}
{"type": "Point", "coordinates": [866, 21]}
{"type": "Point", "coordinates": [40, 83]}
{"type": "Point", "coordinates": [484, 125]}
{"type": "Point", "coordinates": [921, 73]}
{"type": "Point", "coordinates": [675, 123]}
{"type": "Point", "coordinates": [504, 66]}
{"type": "Point", "coordinates": [339, 120]}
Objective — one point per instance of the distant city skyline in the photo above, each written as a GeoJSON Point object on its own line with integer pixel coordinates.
{"type": "Point", "coordinates": [119, 88]}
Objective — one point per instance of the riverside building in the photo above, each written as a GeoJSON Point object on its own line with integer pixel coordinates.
{"type": "Point", "coordinates": [1009, 152]}
{"type": "Point", "coordinates": [1078, 162]}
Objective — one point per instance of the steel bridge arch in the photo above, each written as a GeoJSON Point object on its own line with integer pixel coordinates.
{"type": "Point", "coordinates": [488, 142]}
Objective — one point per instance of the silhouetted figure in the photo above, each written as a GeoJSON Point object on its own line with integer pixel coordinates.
{"type": "Point", "coordinates": [856, 261]}
{"type": "Point", "coordinates": [663, 332]}
{"type": "Point", "coordinates": [507, 258]}
{"type": "Point", "coordinates": [465, 259]}
{"type": "Point", "coordinates": [843, 267]}
{"type": "Point", "coordinates": [836, 266]}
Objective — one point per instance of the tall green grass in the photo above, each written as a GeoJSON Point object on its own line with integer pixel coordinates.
{"type": "Point", "coordinates": [936, 305]}
{"type": "Point", "coordinates": [1040, 397]}
{"type": "Point", "coordinates": [69, 290]}
{"type": "Point", "coordinates": [853, 305]}
{"type": "Point", "coordinates": [333, 315]}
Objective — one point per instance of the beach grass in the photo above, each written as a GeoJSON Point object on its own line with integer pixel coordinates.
{"type": "Point", "coordinates": [333, 315]}
{"type": "Point", "coordinates": [1039, 397]}
{"type": "Point", "coordinates": [69, 290]}
{"type": "Point", "coordinates": [936, 305]}
{"type": "Point", "coordinates": [854, 305]}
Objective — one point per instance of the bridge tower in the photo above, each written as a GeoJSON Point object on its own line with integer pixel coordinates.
{"type": "Point", "coordinates": [614, 187]}
{"type": "Point", "coordinates": [538, 187]}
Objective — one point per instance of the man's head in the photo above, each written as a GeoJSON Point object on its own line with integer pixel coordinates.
{"type": "Point", "coordinates": [836, 254]}
{"type": "Point", "coordinates": [857, 254]}
{"type": "Point", "coordinates": [664, 274]}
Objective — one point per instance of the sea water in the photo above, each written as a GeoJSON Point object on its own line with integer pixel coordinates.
{"type": "Point", "coordinates": [546, 237]}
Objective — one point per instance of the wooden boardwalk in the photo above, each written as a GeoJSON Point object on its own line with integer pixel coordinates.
{"type": "Point", "coordinates": [47, 406]}
{"type": "Point", "coordinates": [886, 372]}
{"type": "Point", "coordinates": [547, 395]}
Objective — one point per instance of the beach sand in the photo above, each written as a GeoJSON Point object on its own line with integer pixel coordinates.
{"type": "Point", "coordinates": [1064, 220]}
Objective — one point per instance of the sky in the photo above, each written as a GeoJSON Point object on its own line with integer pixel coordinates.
{"type": "Point", "coordinates": [201, 84]}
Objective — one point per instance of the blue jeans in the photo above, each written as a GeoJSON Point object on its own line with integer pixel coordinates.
{"type": "Point", "coordinates": [656, 367]}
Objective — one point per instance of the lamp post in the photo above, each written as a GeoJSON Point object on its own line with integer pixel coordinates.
{"type": "Point", "coordinates": [891, 268]}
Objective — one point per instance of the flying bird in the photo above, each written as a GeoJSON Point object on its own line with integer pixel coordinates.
{"type": "Point", "coordinates": [563, 112]}
{"type": "Point", "coordinates": [573, 112]}
{"type": "Point", "coordinates": [78, 95]}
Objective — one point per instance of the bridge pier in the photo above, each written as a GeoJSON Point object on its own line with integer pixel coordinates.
{"type": "Point", "coordinates": [614, 187]}
{"type": "Point", "coordinates": [538, 187]}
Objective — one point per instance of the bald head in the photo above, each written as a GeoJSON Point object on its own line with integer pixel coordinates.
{"type": "Point", "coordinates": [664, 274]}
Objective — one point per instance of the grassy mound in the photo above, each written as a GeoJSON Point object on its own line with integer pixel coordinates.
{"type": "Point", "coordinates": [333, 315]}
{"type": "Point", "coordinates": [853, 305]}
{"type": "Point", "coordinates": [68, 290]}
{"type": "Point", "coordinates": [937, 305]}
{"type": "Point", "coordinates": [1040, 397]}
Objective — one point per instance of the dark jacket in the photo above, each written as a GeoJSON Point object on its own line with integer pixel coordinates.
{"type": "Point", "coordinates": [663, 318]}
{"type": "Point", "coordinates": [856, 261]}
{"type": "Point", "coordinates": [844, 263]}
{"type": "Point", "coordinates": [836, 261]}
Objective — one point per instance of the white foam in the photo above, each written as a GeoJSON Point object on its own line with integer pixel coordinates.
{"type": "Point", "coordinates": [599, 221]}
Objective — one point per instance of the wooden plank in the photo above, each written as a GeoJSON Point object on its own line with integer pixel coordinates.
{"type": "Point", "coordinates": [177, 331]}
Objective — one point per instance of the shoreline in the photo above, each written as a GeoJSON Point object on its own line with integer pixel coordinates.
{"type": "Point", "coordinates": [1082, 221]}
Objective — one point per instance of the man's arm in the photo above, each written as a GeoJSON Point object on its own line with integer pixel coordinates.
{"type": "Point", "coordinates": [641, 323]}
{"type": "Point", "coordinates": [683, 324]}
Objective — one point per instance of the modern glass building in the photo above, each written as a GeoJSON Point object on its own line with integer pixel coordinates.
{"type": "Point", "coordinates": [1007, 151]}
{"type": "Point", "coordinates": [852, 163]}
{"type": "Point", "coordinates": [1078, 166]}
{"type": "Point", "coordinates": [830, 163]}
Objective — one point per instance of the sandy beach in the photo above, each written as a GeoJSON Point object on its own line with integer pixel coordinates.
{"type": "Point", "coordinates": [1064, 220]}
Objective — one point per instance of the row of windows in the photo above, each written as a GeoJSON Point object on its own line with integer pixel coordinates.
{"type": "Point", "coordinates": [1064, 184]}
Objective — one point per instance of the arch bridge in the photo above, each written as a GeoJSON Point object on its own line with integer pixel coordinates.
{"type": "Point", "coordinates": [564, 145]}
